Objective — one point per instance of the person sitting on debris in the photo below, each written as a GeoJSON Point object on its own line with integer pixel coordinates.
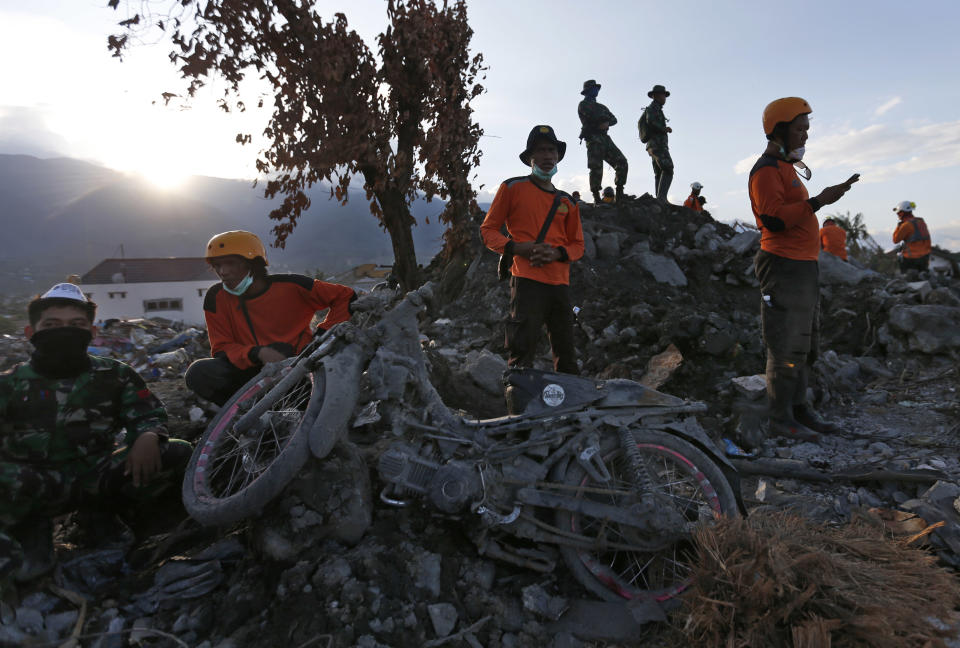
{"type": "Point", "coordinates": [833, 239]}
{"type": "Point", "coordinates": [60, 415]}
{"type": "Point", "coordinates": [540, 281]}
{"type": "Point", "coordinates": [914, 236]}
{"type": "Point", "coordinates": [254, 318]}
{"type": "Point", "coordinates": [609, 197]}
{"type": "Point", "coordinates": [596, 119]}
{"type": "Point", "coordinates": [693, 201]}
{"type": "Point", "coordinates": [786, 266]}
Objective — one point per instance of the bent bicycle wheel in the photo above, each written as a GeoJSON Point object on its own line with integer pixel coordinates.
{"type": "Point", "coordinates": [621, 561]}
{"type": "Point", "coordinates": [234, 474]}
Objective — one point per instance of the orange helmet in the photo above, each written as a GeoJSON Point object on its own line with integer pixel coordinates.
{"type": "Point", "coordinates": [784, 110]}
{"type": "Point", "coordinates": [245, 244]}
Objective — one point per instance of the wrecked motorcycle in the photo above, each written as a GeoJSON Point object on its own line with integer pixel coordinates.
{"type": "Point", "coordinates": [611, 475]}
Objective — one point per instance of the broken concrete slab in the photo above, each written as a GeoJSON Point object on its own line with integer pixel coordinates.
{"type": "Point", "coordinates": [743, 242]}
{"type": "Point", "coordinates": [834, 270]}
{"type": "Point", "coordinates": [753, 387]}
{"type": "Point", "coordinates": [599, 621]}
{"type": "Point", "coordinates": [664, 269]}
{"type": "Point", "coordinates": [929, 328]}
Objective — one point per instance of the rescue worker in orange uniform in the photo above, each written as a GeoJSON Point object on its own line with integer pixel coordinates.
{"type": "Point", "coordinates": [833, 239]}
{"type": "Point", "coordinates": [540, 275]}
{"type": "Point", "coordinates": [912, 232]}
{"type": "Point", "coordinates": [787, 267]}
{"type": "Point", "coordinates": [693, 200]}
{"type": "Point", "coordinates": [254, 318]}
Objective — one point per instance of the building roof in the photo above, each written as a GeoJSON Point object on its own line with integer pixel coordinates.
{"type": "Point", "coordinates": [149, 270]}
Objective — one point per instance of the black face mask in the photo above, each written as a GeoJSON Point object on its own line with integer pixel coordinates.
{"type": "Point", "coordinates": [61, 352]}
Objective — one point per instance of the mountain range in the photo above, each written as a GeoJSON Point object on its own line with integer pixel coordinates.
{"type": "Point", "coordinates": [62, 216]}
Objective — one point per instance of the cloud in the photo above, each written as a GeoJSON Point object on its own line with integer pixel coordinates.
{"type": "Point", "coordinates": [880, 152]}
{"type": "Point", "coordinates": [887, 106]}
{"type": "Point", "coordinates": [25, 131]}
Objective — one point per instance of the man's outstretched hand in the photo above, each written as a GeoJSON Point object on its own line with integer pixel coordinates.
{"type": "Point", "coordinates": [143, 460]}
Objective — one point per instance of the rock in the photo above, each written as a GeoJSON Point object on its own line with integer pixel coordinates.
{"type": "Point", "coordinates": [706, 238]}
{"type": "Point", "coordinates": [922, 288]}
{"type": "Point", "coordinates": [661, 367]}
{"type": "Point", "coordinates": [537, 600]}
{"type": "Point", "coordinates": [444, 618]}
{"type": "Point", "coordinates": [753, 387]}
{"type": "Point", "coordinates": [743, 242]}
{"type": "Point", "coordinates": [717, 342]}
{"type": "Point", "coordinates": [428, 571]}
{"type": "Point", "coordinates": [61, 622]}
{"type": "Point", "coordinates": [30, 620]}
{"type": "Point", "coordinates": [930, 329]}
{"type": "Point", "coordinates": [834, 270]}
{"type": "Point", "coordinates": [589, 247]}
{"type": "Point", "coordinates": [332, 574]}
{"type": "Point", "coordinates": [664, 269]}
{"type": "Point", "coordinates": [486, 370]}
{"type": "Point", "coordinates": [608, 245]}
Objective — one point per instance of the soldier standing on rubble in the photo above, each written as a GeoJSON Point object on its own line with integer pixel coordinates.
{"type": "Point", "coordinates": [60, 414]}
{"type": "Point", "coordinates": [595, 120]}
{"type": "Point", "coordinates": [254, 318]}
{"type": "Point", "coordinates": [653, 132]}
{"type": "Point", "coordinates": [787, 267]}
{"type": "Point", "coordinates": [540, 274]}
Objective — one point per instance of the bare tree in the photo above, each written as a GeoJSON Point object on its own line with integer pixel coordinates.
{"type": "Point", "coordinates": [401, 119]}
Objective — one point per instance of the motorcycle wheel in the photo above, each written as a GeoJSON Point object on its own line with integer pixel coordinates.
{"type": "Point", "coordinates": [679, 471]}
{"type": "Point", "coordinates": [232, 475]}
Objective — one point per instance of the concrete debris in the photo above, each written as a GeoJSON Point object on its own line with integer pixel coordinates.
{"type": "Point", "coordinates": [663, 293]}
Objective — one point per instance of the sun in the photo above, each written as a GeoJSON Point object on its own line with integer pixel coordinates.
{"type": "Point", "coordinates": [164, 174]}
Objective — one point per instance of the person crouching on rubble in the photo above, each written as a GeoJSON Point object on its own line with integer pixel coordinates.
{"type": "Point", "coordinates": [254, 318]}
{"type": "Point", "coordinates": [787, 267]}
{"type": "Point", "coordinates": [60, 414]}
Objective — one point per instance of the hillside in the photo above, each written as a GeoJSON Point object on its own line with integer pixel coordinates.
{"type": "Point", "coordinates": [63, 216]}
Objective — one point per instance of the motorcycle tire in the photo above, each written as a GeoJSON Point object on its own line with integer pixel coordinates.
{"type": "Point", "coordinates": [679, 471]}
{"type": "Point", "coordinates": [232, 476]}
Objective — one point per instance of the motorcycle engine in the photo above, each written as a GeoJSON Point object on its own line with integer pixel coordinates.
{"type": "Point", "coordinates": [455, 485]}
{"type": "Point", "coordinates": [450, 486]}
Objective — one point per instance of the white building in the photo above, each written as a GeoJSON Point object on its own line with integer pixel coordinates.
{"type": "Point", "coordinates": [172, 288]}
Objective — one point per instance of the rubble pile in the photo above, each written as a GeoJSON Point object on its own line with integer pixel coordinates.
{"type": "Point", "coordinates": [665, 295]}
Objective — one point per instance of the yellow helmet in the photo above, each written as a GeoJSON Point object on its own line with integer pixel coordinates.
{"type": "Point", "coordinates": [784, 110]}
{"type": "Point", "coordinates": [245, 244]}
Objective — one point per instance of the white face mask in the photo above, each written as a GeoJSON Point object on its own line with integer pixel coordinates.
{"type": "Point", "coordinates": [797, 154]}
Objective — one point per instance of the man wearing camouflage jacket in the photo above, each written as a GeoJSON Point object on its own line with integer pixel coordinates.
{"type": "Point", "coordinates": [657, 130]}
{"type": "Point", "coordinates": [595, 119]}
{"type": "Point", "coordinates": [61, 418]}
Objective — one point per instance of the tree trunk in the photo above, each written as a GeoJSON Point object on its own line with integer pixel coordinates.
{"type": "Point", "coordinates": [399, 224]}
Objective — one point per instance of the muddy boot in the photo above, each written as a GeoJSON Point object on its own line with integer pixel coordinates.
{"type": "Point", "coordinates": [666, 179]}
{"type": "Point", "coordinates": [623, 196]}
{"type": "Point", "coordinates": [805, 415]}
{"type": "Point", "coordinates": [782, 383]}
{"type": "Point", "coordinates": [35, 535]}
{"type": "Point", "coordinates": [597, 200]}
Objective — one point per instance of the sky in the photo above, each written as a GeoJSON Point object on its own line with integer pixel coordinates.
{"type": "Point", "coordinates": [882, 79]}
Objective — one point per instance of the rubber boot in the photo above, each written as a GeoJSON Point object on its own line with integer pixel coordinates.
{"type": "Point", "coordinates": [666, 179]}
{"type": "Point", "coordinates": [621, 195]}
{"type": "Point", "coordinates": [803, 413]}
{"type": "Point", "coordinates": [35, 535]}
{"type": "Point", "coordinates": [781, 387]}
{"type": "Point", "coordinates": [596, 197]}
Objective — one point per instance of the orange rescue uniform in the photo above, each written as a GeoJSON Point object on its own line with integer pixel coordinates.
{"type": "Point", "coordinates": [833, 239]}
{"type": "Point", "coordinates": [914, 232]}
{"type": "Point", "coordinates": [693, 202]}
{"type": "Point", "coordinates": [784, 210]}
{"type": "Point", "coordinates": [527, 206]}
{"type": "Point", "coordinates": [236, 325]}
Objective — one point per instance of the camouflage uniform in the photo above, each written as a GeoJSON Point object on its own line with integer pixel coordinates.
{"type": "Point", "coordinates": [600, 148]}
{"type": "Point", "coordinates": [657, 149]}
{"type": "Point", "coordinates": [60, 444]}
